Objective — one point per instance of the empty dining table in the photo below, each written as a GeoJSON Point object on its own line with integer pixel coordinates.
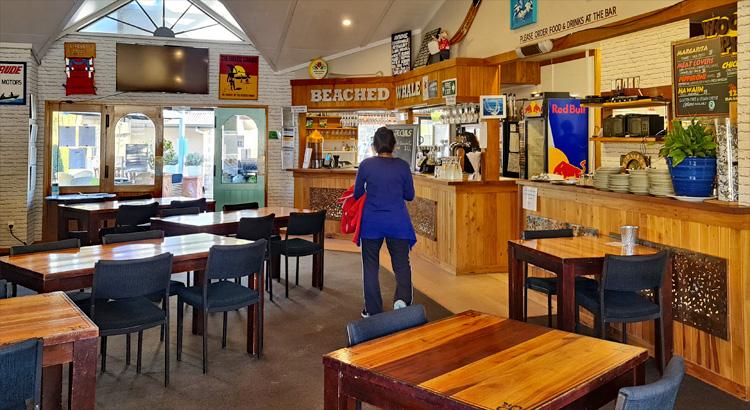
{"type": "Point", "coordinates": [90, 216]}
{"type": "Point", "coordinates": [475, 360]}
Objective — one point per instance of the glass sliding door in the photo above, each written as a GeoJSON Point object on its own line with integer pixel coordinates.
{"type": "Point", "coordinates": [240, 156]}
{"type": "Point", "coordinates": [75, 160]}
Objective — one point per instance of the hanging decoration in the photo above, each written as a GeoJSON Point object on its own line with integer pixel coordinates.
{"type": "Point", "coordinates": [238, 77]}
{"type": "Point", "coordinates": [468, 21]}
{"type": "Point", "coordinates": [79, 68]}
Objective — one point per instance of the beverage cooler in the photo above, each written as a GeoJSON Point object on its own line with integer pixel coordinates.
{"type": "Point", "coordinates": [551, 138]}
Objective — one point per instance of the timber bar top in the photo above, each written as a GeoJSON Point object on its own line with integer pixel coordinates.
{"type": "Point", "coordinates": [581, 247]}
{"type": "Point", "coordinates": [323, 172]}
{"type": "Point", "coordinates": [108, 206]}
{"type": "Point", "coordinates": [229, 217]}
{"type": "Point", "coordinates": [80, 262]}
{"type": "Point", "coordinates": [477, 360]}
{"type": "Point", "coordinates": [51, 316]}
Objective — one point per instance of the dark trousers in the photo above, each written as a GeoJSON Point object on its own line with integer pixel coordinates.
{"type": "Point", "coordinates": [399, 250]}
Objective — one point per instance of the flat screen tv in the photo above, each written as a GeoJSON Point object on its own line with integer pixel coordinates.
{"type": "Point", "coordinates": [162, 68]}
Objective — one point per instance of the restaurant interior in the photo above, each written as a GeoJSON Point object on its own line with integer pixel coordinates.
{"type": "Point", "coordinates": [578, 187]}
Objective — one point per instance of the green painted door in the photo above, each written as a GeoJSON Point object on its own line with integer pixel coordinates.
{"type": "Point", "coordinates": [240, 156]}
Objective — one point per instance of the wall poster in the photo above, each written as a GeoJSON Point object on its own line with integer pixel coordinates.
{"type": "Point", "coordinates": [400, 52]}
{"type": "Point", "coordinates": [79, 68]}
{"type": "Point", "coordinates": [238, 77]}
{"type": "Point", "coordinates": [522, 13]}
{"type": "Point", "coordinates": [12, 83]}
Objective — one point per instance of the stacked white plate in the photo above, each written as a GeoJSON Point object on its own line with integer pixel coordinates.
{"type": "Point", "coordinates": [601, 177]}
{"type": "Point", "coordinates": [619, 182]}
{"type": "Point", "coordinates": [638, 182]}
{"type": "Point", "coordinates": [659, 182]}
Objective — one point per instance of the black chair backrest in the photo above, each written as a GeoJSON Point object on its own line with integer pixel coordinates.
{"type": "Point", "coordinates": [253, 229]}
{"type": "Point", "coordinates": [200, 203]}
{"type": "Point", "coordinates": [3, 289]}
{"type": "Point", "coordinates": [234, 261]}
{"type": "Point", "coordinates": [634, 273]}
{"type": "Point", "coordinates": [132, 215]}
{"type": "Point", "coordinates": [132, 236]}
{"type": "Point", "coordinates": [384, 324]}
{"type": "Point", "coordinates": [660, 394]}
{"type": "Point", "coordinates": [46, 246]}
{"type": "Point", "coordinates": [306, 223]}
{"type": "Point", "coordinates": [122, 279]}
{"type": "Point", "coordinates": [179, 211]}
{"type": "Point", "coordinates": [546, 234]}
{"type": "Point", "coordinates": [21, 375]}
{"type": "Point", "coordinates": [239, 207]}
{"type": "Point", "coordinates": [139, 196]}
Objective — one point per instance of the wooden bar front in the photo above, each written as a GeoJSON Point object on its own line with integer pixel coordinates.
{"type": "Point", "coordinates": [712, 230]}
{"type": "Point", "coordinates": [474, 219]}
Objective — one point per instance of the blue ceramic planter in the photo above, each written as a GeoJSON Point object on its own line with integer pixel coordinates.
{"type": "Point", "coordinates": [694, 176]}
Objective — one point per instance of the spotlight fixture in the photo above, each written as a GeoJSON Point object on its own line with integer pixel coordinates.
{"type": "Point", "coordinates": [346, 22]}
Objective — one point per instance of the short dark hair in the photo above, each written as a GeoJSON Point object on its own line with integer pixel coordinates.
{"type": "Point", "coordinates": [384, 141]}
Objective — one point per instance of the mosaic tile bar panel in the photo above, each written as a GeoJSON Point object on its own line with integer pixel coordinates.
{"type": "Point", "coordinates": [423, 212]}
{"type": "Point", "coordinates": [699, 281]}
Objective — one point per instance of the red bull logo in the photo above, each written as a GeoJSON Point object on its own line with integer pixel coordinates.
{"type": "Point", "coordinates": [568, 170]}
{"type": "Point", "coordinates": [567, 109]}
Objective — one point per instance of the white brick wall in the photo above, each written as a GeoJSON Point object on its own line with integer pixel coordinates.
{"type": "Point", "coordinates": [14, 156]}
{"type": "Point", "coordinates": [274, 91]}
{"type": "Point", "coordinates": [648, 55]}
{"type": "Point", "coordinates": [743, 106]}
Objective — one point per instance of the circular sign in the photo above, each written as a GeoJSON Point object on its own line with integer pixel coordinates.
{"type": "Point", "coordinates": [318, 68]}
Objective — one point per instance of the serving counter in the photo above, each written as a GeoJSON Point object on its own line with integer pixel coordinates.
{"type": "Point", "coordinates": [462, 226]}
{"type": "Point", "coordinates": [710, 245]}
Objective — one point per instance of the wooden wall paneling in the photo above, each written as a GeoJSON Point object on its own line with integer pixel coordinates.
{"type": "Point", "coordinates": [521, 72]}
{"type": "Point", "coordinates": [723, 363]}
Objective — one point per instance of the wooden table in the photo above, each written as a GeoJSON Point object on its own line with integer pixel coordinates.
{"type": "Point", "coordinates": [69, 337]}
{"type": "Point", "coordinates": [478, 361]}
{"type": "Point", "coordinates": [569, 257]}
{"type": "Point", "coordinates": [91, 215]}
{"type": "Point", "coordinates": [227, 222]}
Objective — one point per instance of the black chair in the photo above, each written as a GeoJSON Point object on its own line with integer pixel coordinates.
{"type": "Point", "coordinates": [385, 323]}
{"type": "Point", "coordinates": [240, 207]}
{"type": "Point", "coordinates": [200, 203]}
{"type": "Point", "coordinates": [254, 229]}
{"type": "Point", "coordinates": [81, 298]}
{"type": "Point", "coordinates": [121, 293]}
{"type": "Point", "coordinates": [547, 286]}
{"type": "Point", "coordinates": [619, 298]}
{"type": "Point", "coordinates": [179, 211]}
{"type": "Point", "coordinates": [226, 262]}
{"type": "Point", "coordinates": [659, 395]}
{"type": "Point", "coordinates": [3, 289]}
{"type": "Point", "coordinates": [134, 197]}
{"type": "Point", "coordinates": [132, 218]}
{"type": "Point", "coordinates": [300, 223]}
{"type": "Point", "coordinates": [21, 375]}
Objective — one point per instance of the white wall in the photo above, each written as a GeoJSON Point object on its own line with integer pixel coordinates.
{"type": "Point", "coordinates": [274, 91]}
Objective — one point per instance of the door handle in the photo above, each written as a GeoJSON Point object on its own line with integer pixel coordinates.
{"type": "Point", "coordinates": [214, 171]}
{"type": "Point", "coordinates": [106, 171]}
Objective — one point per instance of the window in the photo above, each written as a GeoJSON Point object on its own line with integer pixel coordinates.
{"type": "Point", "coordinates": [135, 147]}
{"type": "Point", "coordinates": [239, 154]}
{"type": "Point", "coordinates": [172, 18]}
{"type": "Point", "coordinates": [75, 155]}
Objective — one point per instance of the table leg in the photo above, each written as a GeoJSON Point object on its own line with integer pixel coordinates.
{"type": "Point", "coordinates": [62, 224]}
{"type": "Point", "coordinates": [515, 285]}
{"type": "Point", "coordinates": [197, 312]}
{"type": "Point", "coordinates": [318, 260]}
{"type": "Point", "coordinates": [332, 397]}
{"type": "Point", "coordinates": [52, 387]}
{"type": "Point", "coordinates": [566, 298]}
{"type": "Point", "coordinates": [93, 223]}
{"type": "Point", "coordinates": [664, 325]}
{"type": "Point", "coordinates": [82, 389]}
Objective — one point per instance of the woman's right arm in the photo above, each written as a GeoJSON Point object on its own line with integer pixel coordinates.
{"type": "Point", "coordinates": [359, 183]}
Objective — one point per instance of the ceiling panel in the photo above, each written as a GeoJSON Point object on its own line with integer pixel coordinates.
{"type": "Point", "coordinates": [32, 21]}
{"type": "Point", "coordinates": [405, 15]}
{"type": "Point", "coordinates": [262, 20]}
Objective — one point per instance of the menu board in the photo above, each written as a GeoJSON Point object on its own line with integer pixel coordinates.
{"type": "Point", "coordinates": [705, 80]}
{"type": "Point", "coordinates": [406, 143]}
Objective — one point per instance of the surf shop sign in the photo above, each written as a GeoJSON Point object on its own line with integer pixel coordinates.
{"type": "Point", "coordinates": [12, 83]}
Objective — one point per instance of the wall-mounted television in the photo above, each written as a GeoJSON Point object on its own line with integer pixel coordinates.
{"type": "Point", "coordinates": [162, 68]}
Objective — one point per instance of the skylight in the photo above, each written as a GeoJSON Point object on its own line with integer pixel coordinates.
{"type": "Point", "coordinates": [182, 19]}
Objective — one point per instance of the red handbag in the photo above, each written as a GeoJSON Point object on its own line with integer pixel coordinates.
{"type": "Point", "coordinates": [351, 213]}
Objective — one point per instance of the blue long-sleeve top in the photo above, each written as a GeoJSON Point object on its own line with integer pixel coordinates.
{"type": "Point", "coordinates": [388, 183]}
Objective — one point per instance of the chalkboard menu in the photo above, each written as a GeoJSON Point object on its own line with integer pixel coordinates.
{"type": "Point", "coordinates": [400, 52]}
{"type": "Point", "coordinates": [705, 81]}
{"type": "Point", "coordinates": [406, 143]}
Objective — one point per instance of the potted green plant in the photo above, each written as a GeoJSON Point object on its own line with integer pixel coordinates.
{"type": "Point", "coordinates": [691, 156]}
{"type": "Point", "coordinates": [193, 162]}
{"type": "Point", "coordinates": [170, 158]}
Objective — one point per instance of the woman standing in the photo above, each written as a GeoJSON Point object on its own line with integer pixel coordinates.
{"type": "Point", "coordinates": [388, 183]}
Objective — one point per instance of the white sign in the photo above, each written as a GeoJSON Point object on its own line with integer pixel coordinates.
{"type": "Point", "coordinates": [299, 109]}
{"type": "Point", "coordinates": [12, 83]}
{"type": "Point", "coordinates": [574, 23]}
{"type": "Point", "coordinates": [530, 198]}
{"type": "Point", "coordinates": [409, 90]}
{"type": "Point", "coordinates": [349, 94]}
{"type": "Point", "coordinates": [306, 160]}
{"type": "Point", "coordinates": [450, 100]}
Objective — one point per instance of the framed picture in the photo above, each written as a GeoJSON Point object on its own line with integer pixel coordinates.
{"type": "Point", "coordinates": [522, 13]}
{"type": "Point", "coordinates": [449, 87]}
{"type": "Point", "coordinates": [432, 89]}
{"type": "Point", "coordinates": [238, 77]}
{"type": "Point", "coordinates": [12, 83]}
{"type": "Point", "coordinates": [491, 107]}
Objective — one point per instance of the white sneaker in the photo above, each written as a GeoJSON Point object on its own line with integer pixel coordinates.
{"type": "Point", "coordinates": [399, 304]}
{"type": "Point", "coordinates": [364, 314]}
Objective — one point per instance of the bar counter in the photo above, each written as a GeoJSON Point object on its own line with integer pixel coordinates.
{"type": "Point", "coordinates": [462, 226]}
{"type": "Point", "coordinates": [710, 244]}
